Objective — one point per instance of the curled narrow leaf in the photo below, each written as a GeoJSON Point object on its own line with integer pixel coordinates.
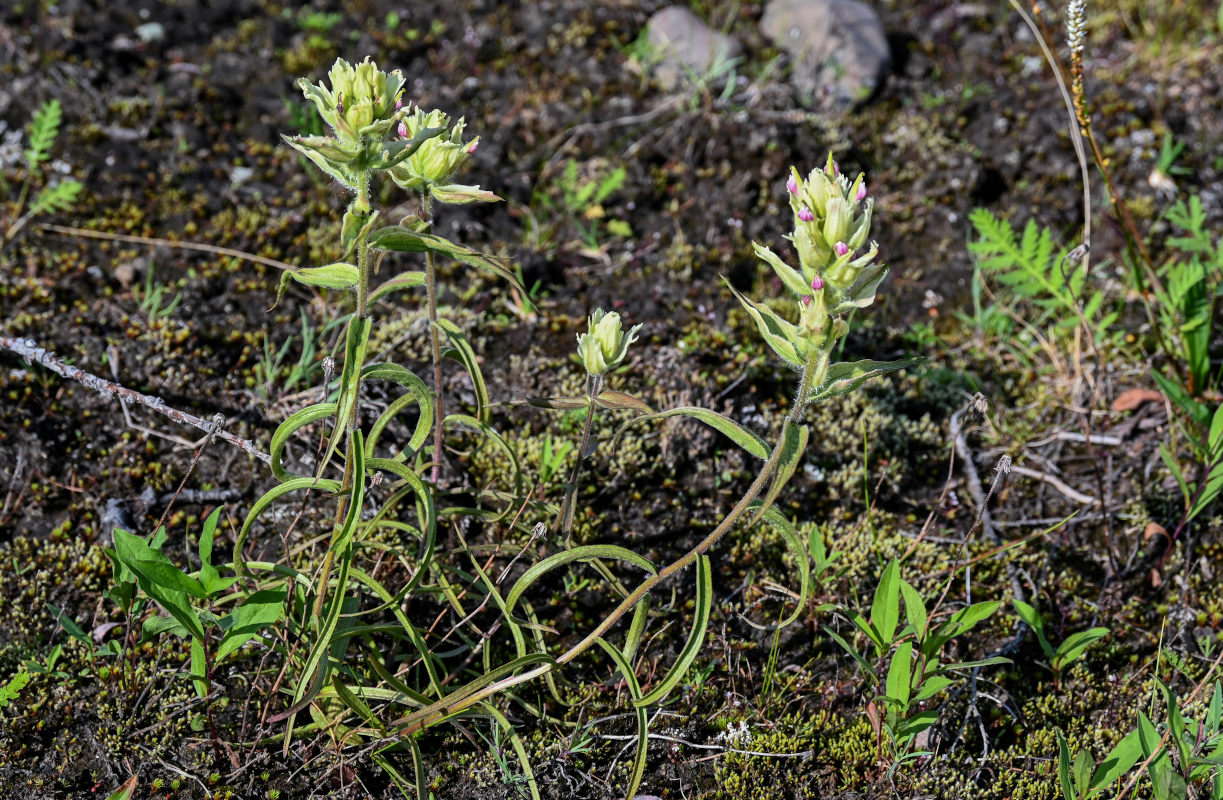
{"type": "Point", "coordinates": [696, 636]}
{"type": "Point", "coordinates": [783, 337]}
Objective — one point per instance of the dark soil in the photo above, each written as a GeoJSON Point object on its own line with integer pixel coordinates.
{"type": "Point", "coordinates": [173, 118]}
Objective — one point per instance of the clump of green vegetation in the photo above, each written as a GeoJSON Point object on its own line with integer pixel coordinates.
{"type": "Point", "coordinates": [54, 194]}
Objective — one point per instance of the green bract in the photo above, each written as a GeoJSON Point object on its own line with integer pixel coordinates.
{"type": "Point", "coordinates": [362, 101]}
{"type": "Point", "coordinates": [439, 158]}
{"type": "Point", "coordinates": [603, 348]}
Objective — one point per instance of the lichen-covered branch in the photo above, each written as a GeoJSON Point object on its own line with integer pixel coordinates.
{"type": "Point", "coordinates": [30, 351]}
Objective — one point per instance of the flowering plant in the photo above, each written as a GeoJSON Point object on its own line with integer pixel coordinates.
{"type": "Point", "coordinates": [832, 220]}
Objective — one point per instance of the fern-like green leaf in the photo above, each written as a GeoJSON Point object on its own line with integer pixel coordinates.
{"type": "Point", "coordinates": [1192, 219]}
{"type": "Point", "coordinates": [1030, 268]}
{"type": "Point", "coordinates": [44, 127]}
{"type": "Point", "coordinates": [59, 197]}
{"type": "Point", "coordinates": [12, 688]}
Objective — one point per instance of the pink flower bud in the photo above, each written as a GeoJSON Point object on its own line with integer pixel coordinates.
{"type": "Point", "coordinates": [792, 184]}
{"type": "Point", "coordinates": [399, 102]}
{"type": "Point", "coordinates": [817, 283]}
{"type": "Point", "coordinates": [834, 171]}
{"type": "Point", "coordinates": [471, 148]}
{"type": "Point", "coordinates": [861, 192]}
{"type": "Point", "coordinates": [841, 249]}
{"type": "Point", "coordinates": [806, 300]}
{"type": "Point", "coordinates": [805, 214]}
{"type": "Point", "coordinates": [403, 130]}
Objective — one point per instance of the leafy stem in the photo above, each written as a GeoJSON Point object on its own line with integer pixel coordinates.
{"type": "Point", "coordinates": [564, 518]}
{"type": "Point", "coordinates": [816, 366]}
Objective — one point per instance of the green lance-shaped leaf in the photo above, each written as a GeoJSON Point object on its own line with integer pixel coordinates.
{"type": "Point", "coordinates": [463, 354]}
{"type": "Point", "coordinates": [1074, 645]}
{"type": "Point", "coordinates": [862, 293]}
{"type": "Point", "coordinates": [792, 278]}
{"type": "Point", "coordinates": [847, 376]}
{"type": "Point", "coordinates": [696, 636]}
{"type": "Point", "coordinates": [931, 686]}
{"type": "Point", "coordinates": [212, 581]}
{"type": "Point", "coordinates": [161, 580]}
{"type": "Point", "coordinates": [199, 668]}
{"type": "Point", "coordinates": [261, 609]}
{"type": "Point", "coordinates": [404, 280]}
{"type": "Point", "coordinates": [960, 622]}
{"type": "Point", "coordinates": [155, 626]}
{"type": "Point", "coordinates": [849, 648]}
{"type": "Point", "coordinates": [70, 626]}
{"type": "Point", "coordinates": [1120, 760]}
{"type": "Point", "coordinates": [885, 609]}
{"type": "Point", "coordinates": [1214, 480]}
{"type": "Point", "coordinates": [793, 442]}
{"type": "Point", "coordinates": [915, 608]}
{"type": "Point", "coordinates": [1063, 768]}
{"type": "Point", "coordinates": [340, 275]}
{"type": "Point", "coordinates": [1176, 725]}
{"type": "Point", "coordinates": [356, 344]}
{"type": "Point", "coordinates": [401, 239]}
{"type": "Point", "coordinates": [1031, 617]}
{"type": "Point", "coordinates": [328, 155]}
{"type": "Point", "coordinates": [402, 149]}
{"type": "Point", "coordinates": [781, 336]}
{"type": "Point", "coordinates": [900, 673]}
{"type": "Point", "coordinates": [741, 436]}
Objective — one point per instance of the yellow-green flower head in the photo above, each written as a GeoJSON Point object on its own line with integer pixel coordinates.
{"type": "Point", "coordinates": [361, 101]}
{"type": "Point", "coordinates": [438, 158]}
{"type": "Point", "coordinates": [604, 346]}
{"type": "Point", "coordinates": [829, 210]}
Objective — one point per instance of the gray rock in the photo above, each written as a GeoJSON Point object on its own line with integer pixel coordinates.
{"type": "Point", "coordinates": [683, 48]}
{"type": "Point", "coordinates": [839, 48]}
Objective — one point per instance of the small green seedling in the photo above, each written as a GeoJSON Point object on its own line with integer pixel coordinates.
{"type": "Point", "coordinates": [1072, 647]}
{"type": "Point", "coordinates": [192, 601]}
{"type": "Point", "coordinates": [912, 655]}
{"type": "Point", "coordinates": [52, 197]}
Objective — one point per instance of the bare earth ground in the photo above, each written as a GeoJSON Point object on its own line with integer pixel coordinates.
{"type": "Point", "coordinates": [176, 133]}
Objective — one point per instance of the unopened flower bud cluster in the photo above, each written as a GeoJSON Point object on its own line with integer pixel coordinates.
{"type": "Point", "coordinates": [605, 344]}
